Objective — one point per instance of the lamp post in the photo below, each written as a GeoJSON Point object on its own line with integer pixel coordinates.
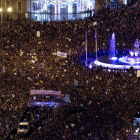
{"type": "Point", "coordinates": [95, 25]}
{"type": "Point", "coordinates": [1, 13]}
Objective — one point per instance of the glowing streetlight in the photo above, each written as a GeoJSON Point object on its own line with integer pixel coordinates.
{"type": "Point", "coordinates": [9, 9]}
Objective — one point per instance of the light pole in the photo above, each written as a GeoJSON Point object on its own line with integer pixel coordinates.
{"type": "Point", "coordinates": [95, 25]}
{"type": "Point", "coordinates": [2, 57]}
{"type": "Point", "coordinates": [96, 44]}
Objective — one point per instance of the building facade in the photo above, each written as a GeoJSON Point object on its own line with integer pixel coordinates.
{"type": "Point", "coordinates": [49, 10]}
{"type": "Point", "coordinates": [18, 8]}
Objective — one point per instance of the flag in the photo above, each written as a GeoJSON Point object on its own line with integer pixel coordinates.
{"type": "Point", "coordinates": [89, 102]}
{"type": "Point", "coordinates": [94, 23]}
{"type": "Point", "coordinates": [29, 78]}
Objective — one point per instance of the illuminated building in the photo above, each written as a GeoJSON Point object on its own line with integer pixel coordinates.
{"type": "Point", "coordinates": [60, 9]}
{"type": "Point", "coordinates": [47, 10]}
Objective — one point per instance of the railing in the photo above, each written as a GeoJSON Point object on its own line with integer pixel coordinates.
{"type": "Point", "coordinates": [44, 16]}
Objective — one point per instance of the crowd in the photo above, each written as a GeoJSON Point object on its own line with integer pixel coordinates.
{"type": "Point", "coordinates": [101, 98]}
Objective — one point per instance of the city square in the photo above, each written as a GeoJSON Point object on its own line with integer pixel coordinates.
{"type": "Point", "coordinates": [69, 70]}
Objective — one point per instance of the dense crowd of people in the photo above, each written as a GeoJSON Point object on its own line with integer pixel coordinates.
{"type": "Point", "coordinates": [101, 99]}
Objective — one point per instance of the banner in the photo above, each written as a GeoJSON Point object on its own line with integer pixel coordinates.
{"type": "Point", "coordinates": [135, 122]}
{"type": "Point", "coordinates": [38, 33]}
{"type": "Point", "coordinates": [132, 137]}
{"type": "Point", "coordinates": [45, 92]}
{"type": "Point", "coordinates": [39, 42]}
{"type": "Point", "coordinates": [94, 23]}
{"type": "Point", "coordinates": [138, 73]}
{"type": "Point", "coordinates": [62, 54]}
{"type": "Point", "coordinates": [67, 98]}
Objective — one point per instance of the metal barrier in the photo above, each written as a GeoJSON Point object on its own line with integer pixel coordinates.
{"type": "Point", "coordinates": [44, 16]}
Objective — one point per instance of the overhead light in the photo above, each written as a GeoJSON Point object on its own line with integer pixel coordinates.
{"type": "Point", "coordinates": [9, 9]}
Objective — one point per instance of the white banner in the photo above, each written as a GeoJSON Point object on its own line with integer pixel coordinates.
{"type": "Point", "coordinates": [62, 54]}
{"type": "Point", "coordinates": [38, 33]}
{"type": "Point", "coordinates": [138, 73]}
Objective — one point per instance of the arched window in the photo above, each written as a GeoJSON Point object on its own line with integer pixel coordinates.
{"type": "Point", "coordinates": [51, 11]}
{"type": "Point", "coordinates": [63, 11]}
{"type": "Point", "coordinates": [74, 8]}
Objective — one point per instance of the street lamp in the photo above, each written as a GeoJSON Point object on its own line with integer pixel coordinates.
{"type": "Point", "coordinates": [1, 13]}
{"type": "Point", "coordinates": [9, 9]}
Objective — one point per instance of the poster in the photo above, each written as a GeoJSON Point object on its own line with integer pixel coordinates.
{"type": "Point", "coordinates": [138, 73]}
{"type": "Point", "coordinates": [38, 33]}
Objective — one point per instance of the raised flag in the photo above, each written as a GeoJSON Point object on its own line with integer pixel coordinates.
{"type": "Point", "coordinates": [94, 23]}
{"type": "Point", "coordinates": [38, 33]}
